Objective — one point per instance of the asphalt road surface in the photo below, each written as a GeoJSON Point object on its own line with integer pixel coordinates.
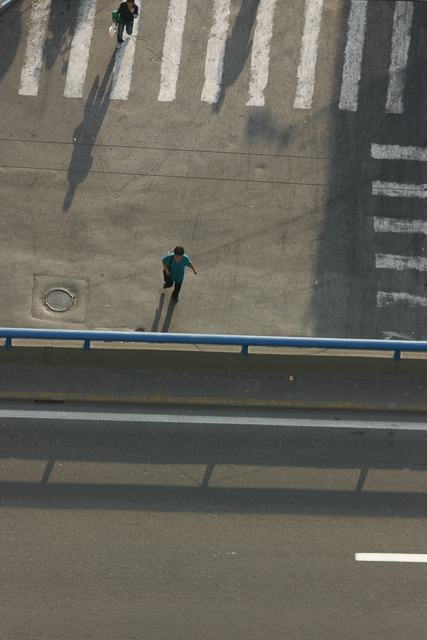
{"type": "Point", "coordinates": [283, 144]}
{"type": "Point", "coordinates": [211, 525]}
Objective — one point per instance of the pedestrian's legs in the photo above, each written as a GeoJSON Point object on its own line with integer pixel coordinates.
{"type": "Point", "coordinates": [176, 290]}
{"type": "Point", "coordinates": [120, 28]}
{"type": "Point", "coordinates": [129, 28]}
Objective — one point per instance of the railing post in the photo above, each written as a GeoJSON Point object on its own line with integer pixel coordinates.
{"type": "Point", "coordinates": [245, 350]}
{"type": "Point", "coordinates": [8, 343]}
{"type": "Point", "coordinates": [397, 355]}
{"type": "Point", "coordinates": [86, 345]}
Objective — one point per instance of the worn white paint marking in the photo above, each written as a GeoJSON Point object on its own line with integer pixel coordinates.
{"type": "Point", "coordinates": [261, 53]}
{"type": "Point", "coordinates": [122, 73]}
{"type": "Point", "coordinates": [30, 74]}
{"type": "Point", "coordinates": [215, 52]}
{"type": "Point", "coordinates": [392, 335]}
{"type": "Point", "coordinates": [388, 261]}
{"type": "Point", "coordinates": [396, 152]}
{"type": "Point", "coordinates": [392, 225]}
{"type": "Point", "coordinates": [80, 47]}
{"type": "Point", "coordinates": [307, 66]}
{"type": "Point", "coordinates": [209, 419]}
{"type": "Point", "coordinates": [387, 299]}
{"type": "Point", "coordinates": [401, 39]}
{"type": "Point", "coordinates": [391, 557]}
{"type": "Point", "coordinates": [399, 190]}
{"type": "Point", "coordinates": [353, 55]}
{"type": "Point", "coordinates": [172, 48]}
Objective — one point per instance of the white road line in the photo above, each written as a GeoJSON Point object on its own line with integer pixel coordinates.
{"type": "Point", "coordinates": [353, 55]}
{"type": "Point", "coordinates": [396, 152]}
{"type": "Point", "coordinates": [402, 23]}
{"type": "Point", "coordinates": [122, 73]}
{"type": "Point", "coordinates": [388, 261]}
{"type": "Point", "coordinates": [203, 419]}
{"type": "Point", "coordinates": [172, 48]}
{"type": "Point", "coordinates": [391, 225]}
{"type": "Point", "coordinates": [387, 299]}
{"type": "Point", "coordinates": [391, 557]}
{"type": "Point", "coordinates": [30, 74]}
{"type": "Point", "coordinates": [307, 66]}
{"type": "Point", "coordinates": [215, 52]}
{"type": "Point", "coordinates": [261, 53]}
{"type": "Point", "coordinates": [399, 190]}
{"type": "Point", "coordinates": [80, 47]}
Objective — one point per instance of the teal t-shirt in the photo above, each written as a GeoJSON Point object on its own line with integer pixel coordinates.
{"type": "Point", "coordinates": [177, 269]}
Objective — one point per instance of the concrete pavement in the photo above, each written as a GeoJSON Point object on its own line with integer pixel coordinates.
{"type": "Point", "coordinates": [274, 203]}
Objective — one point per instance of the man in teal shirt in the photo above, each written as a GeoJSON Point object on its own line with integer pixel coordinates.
{"type": "Point", "coordinates": [174, 269]}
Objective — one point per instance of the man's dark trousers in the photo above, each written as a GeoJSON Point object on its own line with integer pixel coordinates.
{"type": "Point", "coordinates": [176, 289]}
{"type": "Point", "coordinates": [120, 29]}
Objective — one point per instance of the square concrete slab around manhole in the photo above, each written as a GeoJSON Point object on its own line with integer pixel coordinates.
{"type": "Point", "coordinates": [59, 298]}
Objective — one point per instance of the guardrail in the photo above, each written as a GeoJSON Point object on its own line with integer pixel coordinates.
{"type": "Point", "coordinates": [397, 346]}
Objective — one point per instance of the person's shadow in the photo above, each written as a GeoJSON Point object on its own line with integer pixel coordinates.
{"type": "Point", "coordinates": [85, 135]}
{"type": "Point", "coordinates": [168, 317]}
{"type": "Point", "coordinates": [237, 48]}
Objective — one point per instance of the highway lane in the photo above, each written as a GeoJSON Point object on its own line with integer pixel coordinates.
{"type": "Point", "coordinates": [211, 529]}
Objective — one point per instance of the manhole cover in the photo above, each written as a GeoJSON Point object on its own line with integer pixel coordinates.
{"type": "Point", "coordinates": [59, 300]}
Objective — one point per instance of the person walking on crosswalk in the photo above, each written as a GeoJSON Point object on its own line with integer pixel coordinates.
{"type": "Point", "coordinates": [174, 269]}
{"type": "Point", "coordinates": [127, 12]}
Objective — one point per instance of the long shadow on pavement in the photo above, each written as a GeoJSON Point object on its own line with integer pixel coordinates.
{"type": "Point", "coordinates": [251, 461]}
{"type": "Point", "coordinates": [87, 131]}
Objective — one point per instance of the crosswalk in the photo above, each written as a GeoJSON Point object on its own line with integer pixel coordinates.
{"type": "Point", "coordinates": [396, 226]}
{"type": "Point", "coordinates": [219, 30]}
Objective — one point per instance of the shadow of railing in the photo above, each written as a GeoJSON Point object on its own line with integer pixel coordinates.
{"type": "Point", "coordinates": [252, 461]}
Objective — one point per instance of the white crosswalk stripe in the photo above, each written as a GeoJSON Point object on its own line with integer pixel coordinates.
{"type": "Point", "coordinates": [385, 299]}
{"type": "Point", "coordinates": [30, 75]}
{"type": "Point", "coordinates": [172, 49]}
{"type": "Point", "coordinates": [215, 52]}
{"type": "Point", "coordinates": [261, 53]}
{"type": "Point", "coordinates": [307, 66]}
{"type": "Point", "coordinates": [80, 47]}
{"type": "Point", "coordinates": [261, 50]}
{"type": "Point", "coordinates": [353, 55]}
{"type": "Point", "coordinates": [400, 263]}
{"type": "Point", "coordinates": [401, 39]}
{"type": "Point", "coordinates": [122, 74]}
{"type": "Point", "coordinates": [392, 225]}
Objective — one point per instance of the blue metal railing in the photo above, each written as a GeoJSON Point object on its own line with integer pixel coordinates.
{"type": "Point", "coordinates": [215, 339]}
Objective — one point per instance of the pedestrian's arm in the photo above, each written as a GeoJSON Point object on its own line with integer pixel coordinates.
{"type": "Point", "coordinates": [165, 267]}
{"type": "Point", "coordinates": [194, 268]}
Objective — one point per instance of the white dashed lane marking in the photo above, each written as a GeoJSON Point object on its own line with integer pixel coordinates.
{"type": "Point", "coordinates": [391, 557]}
